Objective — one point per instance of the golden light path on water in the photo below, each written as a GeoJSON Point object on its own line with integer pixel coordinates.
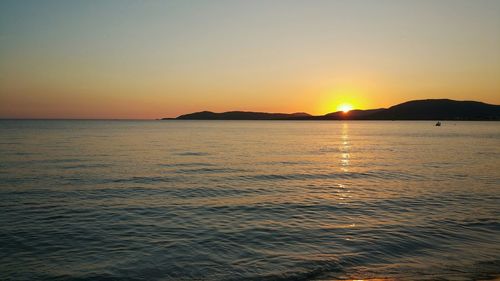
{"type": "Point", "coordinates": [345, 148]}
{"type": "Point", "coordinates": [363, 280]}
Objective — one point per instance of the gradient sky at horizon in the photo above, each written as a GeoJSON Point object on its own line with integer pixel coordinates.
{"type": "Point", "coordinates": [152, 59]}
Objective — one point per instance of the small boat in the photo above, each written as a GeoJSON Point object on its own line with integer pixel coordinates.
{"type": "Point", "coordinates": [438, 124]}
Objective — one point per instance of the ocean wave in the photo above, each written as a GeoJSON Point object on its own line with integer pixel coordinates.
{"type": "Point", "coordinates": [386, 175]}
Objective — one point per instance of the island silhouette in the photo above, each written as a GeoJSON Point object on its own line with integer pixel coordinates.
{"type": "Point", "coordinates": [428, 109]}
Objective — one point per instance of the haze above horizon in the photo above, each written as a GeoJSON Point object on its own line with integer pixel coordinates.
{"type": "Point", "coordinates": [151, 59]}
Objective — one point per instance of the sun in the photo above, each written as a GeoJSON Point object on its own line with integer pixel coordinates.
{"type": "Point", "coordinates": [344, 107]}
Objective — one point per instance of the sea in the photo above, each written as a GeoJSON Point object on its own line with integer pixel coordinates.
{"type": "Point", "coordinates": [249, 200]}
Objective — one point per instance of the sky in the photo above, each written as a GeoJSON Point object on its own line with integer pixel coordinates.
{"type": "Point", "coordinates": [152, 59]}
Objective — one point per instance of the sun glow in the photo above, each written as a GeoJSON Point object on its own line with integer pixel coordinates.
{"type": "Point", "coordinates": [344, 108]}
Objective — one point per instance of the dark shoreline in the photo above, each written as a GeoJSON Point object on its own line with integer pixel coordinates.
{"type": "Point", "coordinates": [417, 110]}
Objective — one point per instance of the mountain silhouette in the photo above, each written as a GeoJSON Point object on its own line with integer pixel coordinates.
{"type": "Point", "coordinates": [242, 115]}
{"type": "Point", "coordinates": [442, 109]}
{"type": "Point", "coordinates": [429, 109]}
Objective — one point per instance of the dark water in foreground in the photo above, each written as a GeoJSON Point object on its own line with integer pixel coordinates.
{"type": "Point", "coordinates": [245, 200]}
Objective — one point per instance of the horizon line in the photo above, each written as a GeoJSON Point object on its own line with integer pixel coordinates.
{"type": "Point", "coordinates": [218, 112]}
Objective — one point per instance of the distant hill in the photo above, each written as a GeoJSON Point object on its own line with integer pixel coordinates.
{"type": "Point", "coordinates": [439, 109]}
{"type": "Point", "coordinates": [430, 109]}
{"type": "Point", "coordinates": [241, 115]}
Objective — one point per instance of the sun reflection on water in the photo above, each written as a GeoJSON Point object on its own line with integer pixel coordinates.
{"type": "Point", "coordinates": [344, 160]}
{"type": "Point", "coordinates": [344, 148]}
{"type": "Point", "coordinates": [376, 279]}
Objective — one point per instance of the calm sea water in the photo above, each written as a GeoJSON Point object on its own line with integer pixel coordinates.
{"type": "Point", "coordinates": [249, 200]}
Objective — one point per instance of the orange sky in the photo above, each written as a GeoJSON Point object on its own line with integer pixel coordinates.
{"type": "Point", "coordinates": [116, 59]}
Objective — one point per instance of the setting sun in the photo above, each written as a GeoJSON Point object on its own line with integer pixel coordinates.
{"type": "Point", "coordinates": [344, 108]}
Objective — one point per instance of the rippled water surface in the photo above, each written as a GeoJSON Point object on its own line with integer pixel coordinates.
{"type": "Point", "coordinates": [249, 200]}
